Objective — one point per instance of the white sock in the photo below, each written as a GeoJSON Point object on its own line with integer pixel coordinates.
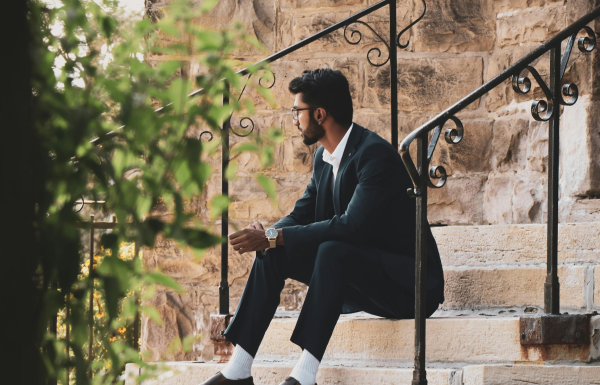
{"type": "Point", "coordinates": [239, 365]}
{"type": "Point", "coordinates": [305, 371]}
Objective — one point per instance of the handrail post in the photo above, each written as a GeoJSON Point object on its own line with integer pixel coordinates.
{"type": "Point", "coordinates": [224, 285]}
{"type": "Point", "coordinates": [552, 286]}
{"type": "Point", "coordinates": [91, 314]}
{"type": "Point", "coordinates": [393, 74]}
{"type": "Point", "coordinates": [419, 373]}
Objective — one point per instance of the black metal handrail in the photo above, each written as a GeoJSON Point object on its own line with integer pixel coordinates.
{"type": "Point", "coordinates": [542, 110]}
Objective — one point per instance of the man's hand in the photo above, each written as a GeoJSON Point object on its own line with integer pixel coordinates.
{"type": "Point", "coordinates": [249, 239]}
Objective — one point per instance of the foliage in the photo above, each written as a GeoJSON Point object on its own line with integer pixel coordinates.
{"type": "Point", "coordinates": [90, 80]}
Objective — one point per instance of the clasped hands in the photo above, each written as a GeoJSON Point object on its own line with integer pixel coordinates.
{"type": "Point", "coordinates": [252, 238]}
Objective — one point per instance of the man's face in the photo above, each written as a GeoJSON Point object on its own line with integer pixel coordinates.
{"type": "Point", "coordinates": [311, 130]}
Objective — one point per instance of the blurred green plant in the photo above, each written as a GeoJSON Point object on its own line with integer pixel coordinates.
{"type": "Point", "coordinates": [91, 81]}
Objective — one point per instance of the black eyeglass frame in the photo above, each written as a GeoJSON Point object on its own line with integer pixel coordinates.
{"type": "Point", "coordinates": [295, 111]}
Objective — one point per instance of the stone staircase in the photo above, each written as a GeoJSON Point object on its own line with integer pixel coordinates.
{"type": "Point", "coordinates": [494, 275]}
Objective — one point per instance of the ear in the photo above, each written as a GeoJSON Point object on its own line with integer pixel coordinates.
{"type": "Point", "coordinates": [321, 115]}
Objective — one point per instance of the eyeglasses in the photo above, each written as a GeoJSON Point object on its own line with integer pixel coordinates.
{"type": "Point", "coordinates": [295, 111]}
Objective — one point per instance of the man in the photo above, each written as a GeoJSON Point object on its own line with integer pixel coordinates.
{"type": "Point", "coordinates": [350, 237]}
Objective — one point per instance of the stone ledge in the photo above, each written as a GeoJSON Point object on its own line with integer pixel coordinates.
{"type": "Point", "coordinates": [464, 339]}
{"type": "Point", "coordinates": [516, 244]}
{"type": "Point", "coordinates": [272, 373]}
{"type": "Point", "coordinates": [530, 374]}
{"type": "Point", "coordinates": [488, 287]}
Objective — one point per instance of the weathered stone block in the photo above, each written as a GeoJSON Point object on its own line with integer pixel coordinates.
{"type": "Point", "coordinates": [460, 201]}
{"type": "Point", "coordinates": [425, 84]}
{"type": "Point", "coordinates": [537, 146]}
{"type": "Point", "coordinates": [497, 200]}
{"type": "Point", "coordinates": [509, 146]}
{"type": "Point", "coordinates": [463, 339]}
{"type": "Point", "coordinates": [516, 244]}
{"type": "Point", "coordinates": [456, 26]}
{"type": "Point", "coordinates": [295, 28]}
{"type": "Point", "coordinates": [579, 149]}
{"type": "Point", "coordinates": [597, 285]}
{"type": "Point", "coordinates": [534, 374]}
{"type": "Point", "coordinates": [582, 210]}
{"type": "Point", "coordinates": [510, 286]}
{"type": "Point", "coordinates": [304, 4]}
{"type": "Point", "coordinates": [472, 154]}
{"type": "Point", "coordinates": [529, 198]}
{"type": "Point", "coordinates": [505, 6]}
{"type": "Point", "coordinates": [530, 26]}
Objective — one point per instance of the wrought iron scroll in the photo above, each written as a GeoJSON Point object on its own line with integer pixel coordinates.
{"type": "Point", "coordinates": [569, 92]}
{"type": "Point", "coordinates": [374, 49]}
{"type": "Point", "coordinates": [246, 122]}
{"type": "Point", "coordinates": [409, 26]}
{"type": "Point", "coordinates": [452, 136]}
{"type": "Point", "coordinates": [522, 85]}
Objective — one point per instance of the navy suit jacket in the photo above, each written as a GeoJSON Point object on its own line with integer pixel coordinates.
{"type": "Point", "coordinates": [370, 208]}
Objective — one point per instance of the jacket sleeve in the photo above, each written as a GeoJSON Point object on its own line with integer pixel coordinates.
{"type": "Point", "coordinates": [377, 185]}
{"type": "Point", "coordinates": [303, 212]}
{"type": "Point", "coordinates": [304, 208]}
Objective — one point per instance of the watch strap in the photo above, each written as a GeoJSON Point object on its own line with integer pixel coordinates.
{"type": "Point", "coordinates": [272, 243]}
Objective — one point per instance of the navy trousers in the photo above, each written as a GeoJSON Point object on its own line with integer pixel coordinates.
{"type": "Point", "coordinates": [341, 278]}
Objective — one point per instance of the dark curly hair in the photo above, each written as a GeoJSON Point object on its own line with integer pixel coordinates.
{"type": "Point", "coordinates": [328, 89]}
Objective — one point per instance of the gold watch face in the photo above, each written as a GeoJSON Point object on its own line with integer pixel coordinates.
{"type": "Point", "coordinates": [271, 233]}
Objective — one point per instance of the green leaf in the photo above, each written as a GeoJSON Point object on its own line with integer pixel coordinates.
{"type": "Point", "coordinates": [218, 204]}
{"type": "Point", "coordinates": [269, 187]}
{"type": "Point", "coordinates": [168, 26]}
{"type": "Point", "coordinates": [165, 280]}
{"type": "Point", "coordinates": [152, 313]}
{"type": "Point", "coordinates": [169, 68]}
{"type": "Point", "coordinates": [231, 170]}
{"type": "Point", "coordinates": [266, 156]}
{"type": "Point", "coordinates": [250, 147]}
{"type": "Point", "coordinates": [178, 94]}
{"type": "Point", "coordinates": [275, 135]}
{"type": "Point", "coordinates": [208, 5]}
{"type": "Point", "coordinates": [267, 94]}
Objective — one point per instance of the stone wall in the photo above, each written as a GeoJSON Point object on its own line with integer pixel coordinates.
{"type": "Point", "coordinates": [498, 173]}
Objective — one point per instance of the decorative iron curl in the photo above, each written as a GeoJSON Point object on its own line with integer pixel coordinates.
{"type": "Point", "coordinates": [263, 76]}
{"type": "Point", "coordinates": [409, 26]}
{"type": "Point", "coordinates": [452, 136]}
{"type": "Point", "coordinates": [538, 106]}
{"type": "Point", "coordinates": [571, 92]}
{"type": "Point", "coordinates": [375, 49]}
{"type": "Point", "coordinates": [244, 126]}
{"type": "Point", "coordinates": [82, 205]}
{"type": "Point", "coordinates": [205, 133]}
{"type": "Point", "coordinates": [588, 43]}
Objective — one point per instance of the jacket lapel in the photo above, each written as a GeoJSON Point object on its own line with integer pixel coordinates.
{"type": "Point", "coordinates": [323, 192]}
{"type": "Point", "coordinates": [351, 145]}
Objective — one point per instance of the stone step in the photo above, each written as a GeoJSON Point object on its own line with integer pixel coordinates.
{"type": "Point", "coordinates": [271, 372]}
{"type": "Point", "coordinates": [478, 340]}
{"type": "Point", "coordinates": [531, 374]}
{"type": "Point", "coordinates": [504, 266]}
{"type": "Point", "coordinates": [483, 246]}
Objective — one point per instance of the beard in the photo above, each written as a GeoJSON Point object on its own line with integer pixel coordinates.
{"type": "Point", "coordinates": [313, 132]}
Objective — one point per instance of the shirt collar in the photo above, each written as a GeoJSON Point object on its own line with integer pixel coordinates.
{"type": "Point", "coordinates": [338, 153]}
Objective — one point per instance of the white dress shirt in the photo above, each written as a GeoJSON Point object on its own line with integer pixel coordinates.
{"type": "Point", "coordinates": [335, 158]}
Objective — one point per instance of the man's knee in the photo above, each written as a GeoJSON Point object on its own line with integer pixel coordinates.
{"type": "Point", "coordinates": [332, 252]}
{"type": "Point", "coordinates": [271, 264]}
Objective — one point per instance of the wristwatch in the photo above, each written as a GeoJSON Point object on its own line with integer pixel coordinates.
{"type": "Point", "coordinates": [271, 235]}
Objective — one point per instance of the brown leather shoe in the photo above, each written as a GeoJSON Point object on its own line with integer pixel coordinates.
{"type": "Point", "coordinates": [220, 379]}
{"type": "Point", "coordinates": [291, 381]}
